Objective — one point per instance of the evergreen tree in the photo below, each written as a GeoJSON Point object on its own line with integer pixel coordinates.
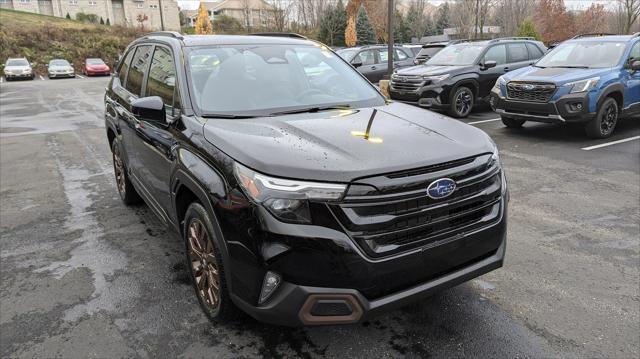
{"type": "Point", "coordinates": [333, 24]}
{"type": "Point", "coordinates": [442, 18]}
{"type": "Point", "coordinates": [68, 17]}
{"type": "Point", "coordinates": [108, 22]}
{"type": "Point", "coordinates": [364, 29]}
{"type": "Point", "coordinates": [528, 29]}
{"type": "Point", "coordinates": [101, 21]}
{"type": "Point", "coordinates": [400, 29]}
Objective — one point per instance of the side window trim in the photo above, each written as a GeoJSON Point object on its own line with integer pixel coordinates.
{"type": "Point", "coordinates": [175, 71]}
{"type": "Point", "coordinates": [145, 74]}
{"type": "Point", "coordinates": [510, 60]}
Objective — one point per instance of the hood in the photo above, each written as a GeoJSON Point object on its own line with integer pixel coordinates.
{"type": "Point", "coordinates": [98, 67]}
{"type": "Point", "coordinates": [556, 75]}
{"type": "Point", "coordinates": [329, 146]}
{"type": "Point", "coordinates": [428, 70]}
{"type": "Point", "coordinates": [60, 68]}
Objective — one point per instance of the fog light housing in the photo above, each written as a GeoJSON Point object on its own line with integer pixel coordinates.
{"type": "Point", "coordinates": [269, 285]}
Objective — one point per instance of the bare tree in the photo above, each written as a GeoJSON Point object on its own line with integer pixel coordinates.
{"type": "Point", "coordinates": [281, 13]}
{"type": "Point", "coordinates": [246, 13]}
{"type": "Point", "coordinates": [512, 13]}
{"type": "Point", "coordinates": [628, 12]}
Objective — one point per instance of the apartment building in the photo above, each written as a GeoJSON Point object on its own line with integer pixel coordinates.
{"type": "Point", "coordinates": [250, 13]}
{"type": "Point", "coordinates": [118, 12]}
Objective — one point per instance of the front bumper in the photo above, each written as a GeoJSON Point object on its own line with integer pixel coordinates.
{"type": "Point", "coordinates": [19, 76]}
{"type": "Point", "coordinates": [97, 73]}
{"type": "Point", "coordinates": [324, 269]}
{"type": "Point", "coordinates": [59, 75]}
{"type": "Point", "coordinates": [570, 108]}
{"type": "Point", "coordinates": [431, 96]}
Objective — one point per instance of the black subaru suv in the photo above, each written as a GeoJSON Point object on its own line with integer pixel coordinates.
{"type": "Point", "coordinates": [302, 196]}
{"type": "Point", "coordinates": [461, 74]}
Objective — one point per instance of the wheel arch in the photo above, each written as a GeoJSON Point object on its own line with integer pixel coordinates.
{"type": "Point", "coordinates": [615, 91]}
{"type": "Point", "coordinates": [468, 82]}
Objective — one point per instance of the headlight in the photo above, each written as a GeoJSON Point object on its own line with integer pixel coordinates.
{"type": "Point", "coordinates": [286, 199]}
{"type": "Point", "coordinates": [583, 85]}
{"type": "Point", "coordinates": [435, 79]}
{"type": "Point", "coordinates": [499, 82]}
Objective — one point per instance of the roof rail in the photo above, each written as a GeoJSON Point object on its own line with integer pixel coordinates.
{"type": "Point", "coordinates": [453, 42]}
{"type": "Point", "coordinates": [595, 34]}
{"type": "Point", "coordinates": [637, 34]}
{"type": "Point", "coordinates": [512, 38]}
{"type": "Point", "coordinates": [173, 34]}
{"type": "Point", "coordinates": [280, 34]}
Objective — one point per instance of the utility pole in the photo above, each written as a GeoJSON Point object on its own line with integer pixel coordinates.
{"type": "Point", "coordinates": [390, 39]}
{"type": "Point", "coordinates": [475, 31]}
{"type": "Point", "coordinates": [161, 15]}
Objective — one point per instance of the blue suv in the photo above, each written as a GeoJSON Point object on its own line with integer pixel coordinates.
{"type": "Point", "coordinates": [589, 79]}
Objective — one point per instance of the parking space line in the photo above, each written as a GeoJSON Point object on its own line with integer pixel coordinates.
{"type": "Point", "coordinates": [1, 79]}
{"type": "Point", "coordinates": [483, 121]}
{"type": "Point", "coordinates": [611, 143]}
{"type": "Point", "coordinates": [80, 76]}
{"type": "Point", "coordinates": [41, 78]}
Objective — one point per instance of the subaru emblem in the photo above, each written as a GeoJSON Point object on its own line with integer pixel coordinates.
{"type": "Point", "coordinates": [528, 87]}
{"type": "Point", "coordinates": [441, 188]}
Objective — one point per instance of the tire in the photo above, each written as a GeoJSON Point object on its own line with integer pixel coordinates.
{"type": "Point", "coordinates": [461, 102]}
{"type": "Point", "coordinates": [512, 122]}
{"type": "Point", "coordinates": [125, 188]}
{"type": "Point", "coordinates": [606, 119]}
{"type": "Point", "coordinates": [204, 260]}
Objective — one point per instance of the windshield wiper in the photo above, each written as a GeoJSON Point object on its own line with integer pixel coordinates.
{"type": "Point", "coordinates": [571, 67]}
{"type": "Point", "coordinates": [311, 109]}
{"type": "Point", "coordinates": [226, 115]}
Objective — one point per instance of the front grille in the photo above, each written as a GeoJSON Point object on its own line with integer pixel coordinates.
{"type": "Point", "coordinates": [406, 83]}
{"type": "Point", "coordinates": [530, 92]}
{"type": "Point", "coordinates": [400, 215]}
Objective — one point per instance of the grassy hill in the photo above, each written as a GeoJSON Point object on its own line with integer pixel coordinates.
{"type": "Point", "coordinates": [41, 38]}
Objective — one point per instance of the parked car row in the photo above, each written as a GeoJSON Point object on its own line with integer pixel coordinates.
{"type": "Point", "coordinates": [21, 68]}
{"type": "Point", "coordinates": [590, 79]}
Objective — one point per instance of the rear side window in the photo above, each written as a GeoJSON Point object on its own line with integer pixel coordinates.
{"type": "Point", "coordinates": [365, 57]}
{"type": "Point", "coordinates": [517, 52]}
{"type": "Point", "coordinates": [534, 51]}
{"type": "Point", "coordinates": [400, 55]}
{"type": "Point", "coordinates": [162, 77]}
{"type": "Point", "coordinates": [635, 52]}
{"type": "Point", "coordinates": [136, 71]}
{"type": "Point", "coordinates": [124, 67]}
{"type": "Point", "coordinates": [498, 54]}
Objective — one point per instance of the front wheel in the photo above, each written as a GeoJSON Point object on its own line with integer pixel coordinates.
{"type": "Point", "coordinates": [461, 102]}
{"type": "Point", "coordinates": [512, 122]}
{"type": "Point", "coordinates": [204, 260]}
{"type": "Point", "coordinates": [605, 122]}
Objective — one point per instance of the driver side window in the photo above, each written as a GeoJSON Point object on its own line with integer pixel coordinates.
{"type": "Point", "coordinates": [497, 53]}
{"type": "Point", "coordinates": [366, 57]}
{"type": "Point", "coordinates": [635, 53]}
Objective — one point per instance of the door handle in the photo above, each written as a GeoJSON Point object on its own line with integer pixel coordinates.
{"type": "Point", "coordinates": [373, 67]}
{"type": "Point", "coordinates": [506, 69]}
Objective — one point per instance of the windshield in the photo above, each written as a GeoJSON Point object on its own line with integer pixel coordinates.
{"type": "Point", "coordinates": [456, 55]}
{"type": "Point", "coordinates": [59, 63]}
{"type": "Point", "coordinates": [259, 80]}
{"type": "Point", "coordinates": [347, 54]}
{"type": "Point", "coordinates": [17, 62]}
{"type": "Point", "coordinates": [95, 62]}
{"type": "Point", "coordinates": [584, 54]}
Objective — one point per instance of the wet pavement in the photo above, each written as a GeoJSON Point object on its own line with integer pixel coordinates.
{"type": "Point", "coordinates": [81, 275]}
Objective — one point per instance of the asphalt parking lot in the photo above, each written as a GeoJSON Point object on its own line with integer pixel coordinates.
{"type": "Point", "coordinates": [81, 275]}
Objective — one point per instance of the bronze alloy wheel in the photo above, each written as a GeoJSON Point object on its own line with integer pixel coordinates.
{"type": "Point", "coordinates": [204, 266]}
{"type": "Point", "coordinates": [118, 168]}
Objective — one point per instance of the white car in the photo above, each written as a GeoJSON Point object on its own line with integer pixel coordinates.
{"type": "Point", "coordinates": [60, 68]}
{"type": "Point", "coordinates": [16, 68]}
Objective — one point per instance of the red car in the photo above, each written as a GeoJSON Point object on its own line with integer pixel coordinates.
{"type": "Point", "coordinates": [94, 66]}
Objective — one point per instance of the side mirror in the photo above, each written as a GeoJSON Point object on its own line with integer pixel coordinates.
{"type": "Point", "coordinates": [635, 65]}
{"type": "Point", "coordinates": [489, 64]}
{"type": "Point", "coordinates": [356, 64]}
{"type": "Point", "coordinates": [149, 109]}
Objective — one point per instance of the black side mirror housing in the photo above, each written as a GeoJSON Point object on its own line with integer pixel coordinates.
{"type": "Point", "coordinates": [356, 64]}
{"type": "Point", "coordinates": [489, 64]}
{"type": "Point", "coordinates": [149, 109]}
{"type": "Point", "coordinates": [635, 65]}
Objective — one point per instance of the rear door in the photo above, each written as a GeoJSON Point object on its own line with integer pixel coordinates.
{"type": "Point", "coordinates": [535, 52]}
{"type": "Point", "coordinates": [154, 141]}
{"type": "Point", "coordinates": [369, 60]}
{"type": "Point", "coordinates": [488, 77]}
{"type": "Point", "coordinates": [116, 100]}
{"type": "Point", "coordinates": [631, 82]}
{"type": "Point", "coordinates": [132, 90]}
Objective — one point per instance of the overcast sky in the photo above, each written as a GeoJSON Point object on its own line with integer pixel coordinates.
{"type": "Point", "coordinates": [570, 4]}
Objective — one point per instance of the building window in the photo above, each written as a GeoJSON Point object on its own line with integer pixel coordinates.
{"type": "Point", "coordinates": [153, 6]}
{"type": "Point", "coordinates": [73, 2]}
{"type": "Point", "coordinates": [25, 1]}
{"type": "Point", "coordinates": [93, 3]}
{"type": "Point", "coordinates": [140, 6]}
